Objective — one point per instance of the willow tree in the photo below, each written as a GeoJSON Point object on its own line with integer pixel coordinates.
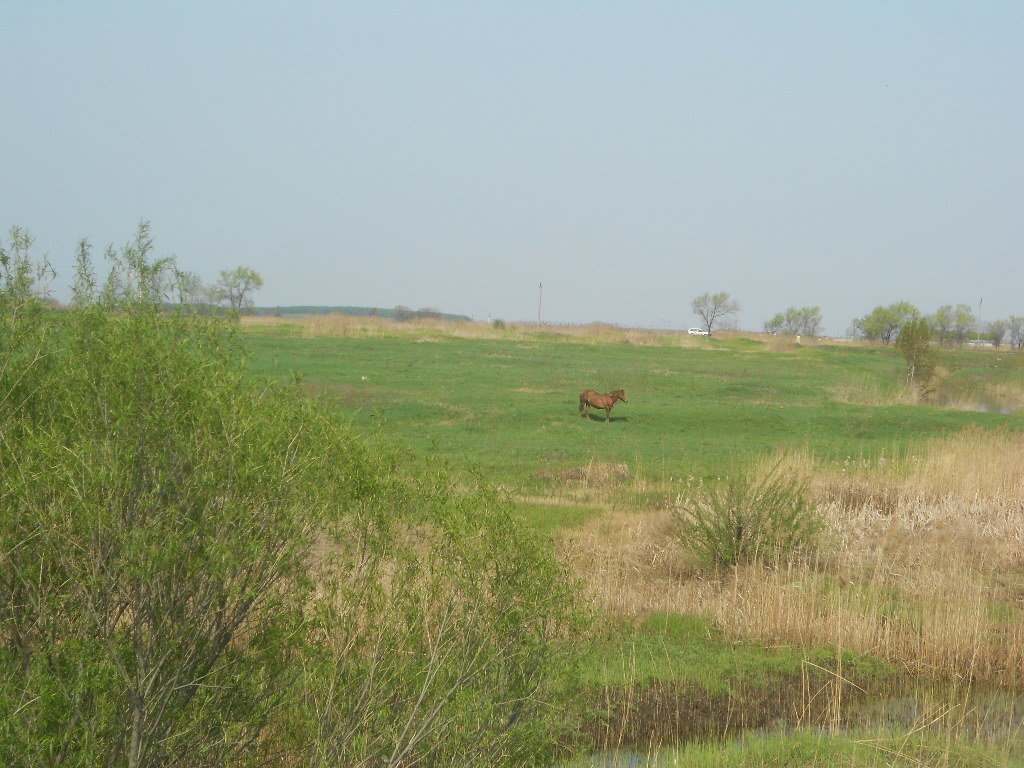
{"type": "Point", "coordinates": [914, 343]}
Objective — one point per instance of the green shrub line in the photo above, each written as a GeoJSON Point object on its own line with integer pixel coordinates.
{"type": "Point", "coordinates": [199, 569]}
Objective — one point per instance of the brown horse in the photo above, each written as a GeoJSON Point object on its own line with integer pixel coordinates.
{"type": "Point", "coordinates": [589, 397]}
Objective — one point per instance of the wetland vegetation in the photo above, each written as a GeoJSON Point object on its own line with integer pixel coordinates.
{"type": "Point", "coordinates": [900, 633]}
{"type": "Point", "coordinates": [344, 541]}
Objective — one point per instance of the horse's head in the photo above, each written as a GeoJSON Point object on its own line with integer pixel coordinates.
{"type": "Point", "coordinates": [620, 394]}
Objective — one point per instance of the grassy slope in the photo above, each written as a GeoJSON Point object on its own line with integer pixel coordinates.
{"type": "Point", "coordinates": [510, 408]}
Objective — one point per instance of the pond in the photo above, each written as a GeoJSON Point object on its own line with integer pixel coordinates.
{"type": "Point", "coordinates": [986, 715]}
{"type": "Point", "coordinates": [971, 400]}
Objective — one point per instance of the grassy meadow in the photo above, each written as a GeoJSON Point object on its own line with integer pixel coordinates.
{"type": "Point", "coordinates": [507, 402]}
{"type": "Point", "coordinates": [916, 584]}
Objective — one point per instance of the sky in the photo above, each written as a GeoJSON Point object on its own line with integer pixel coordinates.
{"type": "Point", "coordinates": [629, 157]}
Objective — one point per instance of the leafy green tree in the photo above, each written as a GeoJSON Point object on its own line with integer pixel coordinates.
{"type": "Point", "coordinates": [806, 321]}
{"type": "Point", "coordinates": [963, 322]}
{"type": "Point", "coordinates": [943, 322]}
{"type": "Point", "coordinates": [884, 323]}
{"type": "Point", "coordinates": [914, 343]}
{"type": "Point", "coordinates": [429, 313]}
{"type": "Point", "coordinates": [714, 308]}
{"type": "Point", "coordinates": [189, 288]}
{"type": "Point", "coordinates": [997, 332]}
{"type": "Point", "coordinates": [1015, 328]}
{"type": "Point", "coordinates": [951, 323]}
{"type": "Point", "coordinates": [236, 286]}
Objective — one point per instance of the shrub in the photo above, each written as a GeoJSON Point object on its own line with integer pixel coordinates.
{"type": "Point", "coordinates": [438, 646]}
{"type": "Point", "coordinates": [747, 515]}
{"type": "Point", "coordinates": [152, 532]}
{"type": "Point", "coordinates": [914, 343]}
{"type": "Point", "coordinates": [196, 569]}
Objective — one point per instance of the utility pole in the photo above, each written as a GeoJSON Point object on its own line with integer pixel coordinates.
{"type": "Point", "coordinates": [540, 300]}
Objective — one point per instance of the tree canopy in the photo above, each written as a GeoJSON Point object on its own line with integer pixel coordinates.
{"type": "Point", "coordinates": [236, 286]}
{"type": "Point", "coordinates": [806, 321]}
{"type": "Point", "coordinates": [884, 323]}
{"type": "Point", "coordinates": [713, 308]}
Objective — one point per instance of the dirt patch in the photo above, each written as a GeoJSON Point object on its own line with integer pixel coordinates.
{"type": "Point", "coordinates": [347, 395]}
{"type": "Point", "coordinates": [559, 501]}
{"type": "Point", "coordinates": [597, 473]}
{"type": "Point", "coordinates": [456, 415]}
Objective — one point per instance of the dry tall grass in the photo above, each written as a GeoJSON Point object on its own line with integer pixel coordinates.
{"type": "Point", "coordinates": [342, 325]}
{"type": "Point", "coordinates": [924, 565]}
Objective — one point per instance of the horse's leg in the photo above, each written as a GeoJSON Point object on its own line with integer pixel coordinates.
{"type": "Point", "coordinates": [607, 414]}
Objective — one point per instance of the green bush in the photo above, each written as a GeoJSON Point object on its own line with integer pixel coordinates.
{"type": "Point", "coordinates": [196, 570]}
{"type": "Point", "coordinates": [438, 648]}
{"type": "Point", "coordinates": [914, 343]}
{"type": "Point", "coordinates": [747, 515]}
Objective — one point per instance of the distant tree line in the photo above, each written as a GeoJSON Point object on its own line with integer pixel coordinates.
{"type": "Point", "coordinates": [234, 288]}
{"type": "Point", "coordinates": [404, 314]}
{"type": "Point", "coordinates": [805, 321]}
{"type": "Point", "coordinates": [947, 326]}
{"type": "Point", "coordinates": [397, 313]}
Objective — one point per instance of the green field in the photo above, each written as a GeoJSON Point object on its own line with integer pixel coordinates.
{"type": "Point", "coordinates": [505, 409]}
{"type": "Point", "coordinates": [509, 408]}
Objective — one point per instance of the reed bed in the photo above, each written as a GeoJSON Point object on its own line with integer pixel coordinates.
{"type": "Point", "coordinates": [923, 563]}
{"type": "Point", "coordinates": [873, 391]}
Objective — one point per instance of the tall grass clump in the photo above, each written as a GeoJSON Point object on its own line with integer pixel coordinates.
{"type": "Point", "coordinates": [747, 514]}
{"type": "Point", "coordinates": [199, 570]}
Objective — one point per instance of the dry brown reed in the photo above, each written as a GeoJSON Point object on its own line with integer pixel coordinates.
{"type": "Point", "coordinates": [775, 342]}
{"type": "Point", "coordinates": [924, 565]}
{"type": "Point", "coordinates": [874, 392]}
{"type": "Point", "coordinates": [609, 486]}
{"type": "Point", "coordinates": [997, 395]}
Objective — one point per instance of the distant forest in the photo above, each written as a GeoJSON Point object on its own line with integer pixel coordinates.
{"type": "Point", "coordinates": [397, 313]}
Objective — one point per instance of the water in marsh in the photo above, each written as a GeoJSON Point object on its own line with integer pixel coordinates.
{"type": "Point", "coordinates": [986, 715]}
{"type": "Point", "coordinates": [981, 406]}
{"type": "Point", "coordinates": [974, 401]}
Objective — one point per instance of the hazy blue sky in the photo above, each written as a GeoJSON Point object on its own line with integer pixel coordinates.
{"type": "Point", "coordinates": [629, 156]}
